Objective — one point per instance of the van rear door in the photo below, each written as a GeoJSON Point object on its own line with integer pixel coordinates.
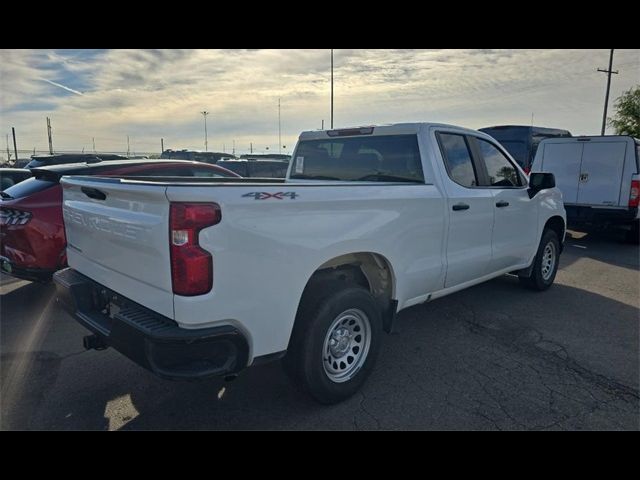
{"type": "Point", "coordinates": [601, 173]}
{"type": "Point", "coordinates": [563, 160]}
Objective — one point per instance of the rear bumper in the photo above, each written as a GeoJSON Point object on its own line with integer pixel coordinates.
{"type": "Point", "coordinates": [151, 340]}
{"type": "Point", "coordinates": [32, 274]}
{"type": "Point", "coordinates": [601, 216]}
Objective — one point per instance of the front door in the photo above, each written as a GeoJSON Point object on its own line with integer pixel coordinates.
{"type": "Point", "coordinates": [470, 210]}
{"type": "Point", "coordinates": [515, 225]}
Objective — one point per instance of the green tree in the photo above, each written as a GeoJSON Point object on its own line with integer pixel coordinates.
{"type": "Point", "coordinates": [627, 118]}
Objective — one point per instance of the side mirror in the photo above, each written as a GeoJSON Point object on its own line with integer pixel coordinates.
{"type": "Point", "coordinates": [540, 181]}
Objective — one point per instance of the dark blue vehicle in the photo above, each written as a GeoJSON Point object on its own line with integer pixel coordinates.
{"type": "Point", "coordinates": [522, 141]}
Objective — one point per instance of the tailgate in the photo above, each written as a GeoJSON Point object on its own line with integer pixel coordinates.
{"type": "Point", "coordinates": [118, 235]}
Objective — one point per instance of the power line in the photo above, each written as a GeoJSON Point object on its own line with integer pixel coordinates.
{"type": "Point", "coordinates": [606, 97]}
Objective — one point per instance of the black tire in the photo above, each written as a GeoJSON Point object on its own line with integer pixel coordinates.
{"type": "Point", "coordinates": [536, 279]}
{"type": "Point", "coordinates": [305, 358]}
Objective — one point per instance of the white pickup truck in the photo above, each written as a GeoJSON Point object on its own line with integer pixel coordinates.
{"type": "Point", "coordinates": [193, 278]}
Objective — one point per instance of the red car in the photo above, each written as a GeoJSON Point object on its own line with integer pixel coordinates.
{"type": "Point", "coordinates": [32, 237]}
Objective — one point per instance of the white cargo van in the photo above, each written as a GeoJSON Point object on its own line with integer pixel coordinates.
{"type": "Point", "coordinates": [598, 178]}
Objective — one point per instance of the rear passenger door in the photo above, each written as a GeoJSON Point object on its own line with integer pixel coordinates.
{"type": "Point", "coordinates": [515, 225]}
{"type": "Point", "coordinates": [470, 210]}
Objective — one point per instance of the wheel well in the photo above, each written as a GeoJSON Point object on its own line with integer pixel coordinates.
{"type": "Point", "coordinates": [557, 225]}
{"type": "Point", "coordinates": [369, 270]}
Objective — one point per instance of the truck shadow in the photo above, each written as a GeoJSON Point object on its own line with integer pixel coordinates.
{"type": "Point", "coordinates": [605, 246]}
{"type": "Point", "coordinates": [489, 357]}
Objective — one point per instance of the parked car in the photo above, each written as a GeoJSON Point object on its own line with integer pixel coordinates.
{"type": "Point", "coordinates": [196, 155]}
{"type": "Point", "coordinates": [257, 168]}
{"type": "Point", "coordinates": [599, 178]}
{"type": "Point", "coordinates": [369, 222]}
{"type": "Point", "coordinates": [62, 158]}
{"type": "Point", "coordinates": [11, 176]}
{"type": "Point", "coordinates": [522, 141]}
{"type": "Point", "coordinates": [266, 156]}
{"type": "Point", "coordinates": [31, 226]}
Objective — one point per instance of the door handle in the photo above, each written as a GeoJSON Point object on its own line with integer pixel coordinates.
{"type": "Point", "coordinates": [460, 206]}
{"type": "Point", "coordinates": [502, 203]}
{"type": "Point", "coordinates": [94, 193]}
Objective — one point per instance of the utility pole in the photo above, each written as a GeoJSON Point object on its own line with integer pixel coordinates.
{"type": "Point", "coordinates": [206, 140]}
{"type": "Point", "coordinates": [279, 129]}
{"type": "Point", "coordinates": [606, 97]}
{"type": "Point", "coordinates": [233, 150]}
{"type": "Point", "coordinates": [161, 145]}
{"type": "Point", "coordinates": [49, 135]}
{"type": "Point", "coordinates": [128, 149]}
{"type": "Point", "coordinates": [532, 119]}
{"type": "Point", "coordinates": [332, 88]}
{"type": "Point", "coordinates": [322, 127]}
{"type": "Point", "coordinates": [251, 147]}
{"type": "Point", "coordinates": [15, 148]}
{"type": "Point", "coordinates": [8, 152]}
{"type": "Point", "coordinates": [93, 141]}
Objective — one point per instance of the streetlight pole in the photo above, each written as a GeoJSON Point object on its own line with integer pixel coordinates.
{"type": "Point", "coordinates": [206, 140]}
{"type": "Point", "coordinates": [332, 88]}
{"type": "Point", "coordinates": [279, 129]}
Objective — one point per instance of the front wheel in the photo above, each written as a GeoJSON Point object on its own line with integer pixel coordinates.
{"type": "Point", "coordinates": [545, 264]}
{"type": "Point", "coordinates": [334, 344]}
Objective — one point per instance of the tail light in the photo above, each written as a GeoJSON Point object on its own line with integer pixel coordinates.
{"type": "Point", "coordinates": [10, 216]}
{"type": "Point", "coordinates": [191, 266]}
{"type": "Point", "coordinates": [634, 195]}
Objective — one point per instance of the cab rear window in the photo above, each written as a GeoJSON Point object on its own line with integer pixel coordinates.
{"type": "Point", "coordinates": [388, 158]}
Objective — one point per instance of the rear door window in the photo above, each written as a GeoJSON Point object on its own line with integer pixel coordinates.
{"type": "Point", "coordinates": [388, 158]}
{"type": "Point", "coordinates": [29, 187]}
{"type": "Point", "coordinates": [457, 157]}
{"type": "Point", "coordinates": [207, 172]}
{"type": "Point", "coordinates": [238, 167]}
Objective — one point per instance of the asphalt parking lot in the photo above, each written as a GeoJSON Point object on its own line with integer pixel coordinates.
{"type": "Point", "coordinates": [493, 357]}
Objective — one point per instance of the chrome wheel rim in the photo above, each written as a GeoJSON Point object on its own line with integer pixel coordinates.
{"type": "Point", "coordinates": [548, 260]}
{"type": "Point", "coordinates": [346, 345]}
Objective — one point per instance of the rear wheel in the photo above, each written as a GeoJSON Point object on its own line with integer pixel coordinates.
{"type": "Point", "coordinates": [545, 264]}
{"type": "Point", "coordinates": [335, 343]}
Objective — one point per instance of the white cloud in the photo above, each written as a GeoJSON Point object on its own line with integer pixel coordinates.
{"type": "Point", "coordinates": [148, 94]}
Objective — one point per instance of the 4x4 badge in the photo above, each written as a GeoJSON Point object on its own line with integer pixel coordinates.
{"type": "Point", "coordinates": [267, 195]}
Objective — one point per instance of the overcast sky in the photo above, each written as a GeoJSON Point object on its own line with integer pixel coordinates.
{"type": "Point", "coordinates": [149, 94]}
